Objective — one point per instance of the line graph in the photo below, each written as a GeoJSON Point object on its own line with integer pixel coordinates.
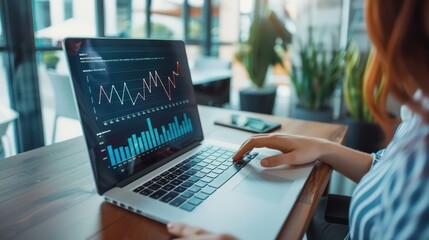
{"type": "Point", "coordinates": [148, 83]}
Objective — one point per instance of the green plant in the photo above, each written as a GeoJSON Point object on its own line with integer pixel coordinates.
{"type": "Point", "coordinates": [356, 65]}
{"type": "Point", "coordinates": [317, 77]}
{"type": "Point", "coordinates": [262, 48]}
{"type": "Point", "coordinates": [50, 59]}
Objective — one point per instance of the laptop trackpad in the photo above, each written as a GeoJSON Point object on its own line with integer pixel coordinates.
{"type": "Point", "coordinates": [264, 186]}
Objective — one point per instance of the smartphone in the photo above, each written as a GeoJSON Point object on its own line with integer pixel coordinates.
{"type": "Point", "coordinates": [250, 124]}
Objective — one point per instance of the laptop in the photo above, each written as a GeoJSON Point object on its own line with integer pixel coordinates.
{"type": "Point", "coordinates": [146, 145]}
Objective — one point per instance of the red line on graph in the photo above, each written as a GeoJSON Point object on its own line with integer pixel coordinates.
{"type": "Point", "coordinates": [153, 78]}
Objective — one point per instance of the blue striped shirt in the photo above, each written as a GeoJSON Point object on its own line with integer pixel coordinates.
{"type": "Point", "coordinates": [392, 200]}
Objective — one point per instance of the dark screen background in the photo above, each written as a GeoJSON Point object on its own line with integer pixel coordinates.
{"type": "Point", "coordinates": [136, 103]}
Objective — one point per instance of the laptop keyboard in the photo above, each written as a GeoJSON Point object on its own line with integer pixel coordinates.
{"type": "Point", "coordinates": [192, 181]}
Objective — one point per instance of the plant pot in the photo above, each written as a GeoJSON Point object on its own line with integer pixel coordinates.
{"type": "Point", "coordinates": [260, 100]}
{"type": "Point", "coordinates": [363, 136]}
{"type": "Point", "coordinates": [323, 115]}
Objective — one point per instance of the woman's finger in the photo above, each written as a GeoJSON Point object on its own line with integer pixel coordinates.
{"type": "Point", "coordinates": [183, 230]}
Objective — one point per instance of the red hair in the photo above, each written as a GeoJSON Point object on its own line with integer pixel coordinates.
{"type": "Point", "coordinates": [399, 30]}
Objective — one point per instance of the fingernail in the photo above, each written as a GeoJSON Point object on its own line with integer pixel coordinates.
{"type": "Point", "coordinates": [264, 162]}
{"type": "Point", "coordinates": [170, 225]}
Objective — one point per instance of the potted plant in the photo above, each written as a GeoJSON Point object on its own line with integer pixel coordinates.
{"type": "Point", "coordinates": [315, 79]}
{"type": "Point", "coordinates": [260, 52]}
{"type": "Point", "coordinates": [363, 133]}
{"type": "Point", "coordinates": [50, 59]}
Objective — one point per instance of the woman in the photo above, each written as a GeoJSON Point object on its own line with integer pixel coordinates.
{"type": "Point", "coordinates": [391, 199]}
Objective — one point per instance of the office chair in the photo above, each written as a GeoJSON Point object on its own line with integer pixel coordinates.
{"type": "Point", "coordinates": [212, 80]}
{"type": "Point", "coordinates": [7, 116]}
{"type": "Point", "coordinates": [64, 99]}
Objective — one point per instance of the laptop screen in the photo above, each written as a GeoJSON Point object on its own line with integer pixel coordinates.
{"type": "Point", "coordinates": [136, 103]}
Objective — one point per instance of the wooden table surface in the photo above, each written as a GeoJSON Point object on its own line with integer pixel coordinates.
{"type": "Point", "coordinates": [49, 193]}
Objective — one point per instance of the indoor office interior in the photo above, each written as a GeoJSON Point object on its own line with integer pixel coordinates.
{"type": "Point", "coordinates": [37, 105]}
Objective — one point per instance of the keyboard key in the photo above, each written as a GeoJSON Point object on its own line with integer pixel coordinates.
{"type": "Point", "coordinates": [200, 184]}
{"type": "Point", "coordinates": [207, 179]}
{"type": "Point", "coordinates": [195, 201]}
{"type": "Point", "coordinates": [187, 184]}
{"type": "Point", "coordinates": [187, 194]}
{"type": "Point", "coordinates": [185, 168]}
{"type": "Point", "coordinates": [217, 170]}
{"type": "Point", "coordinates": [170, 176]}
{"type": "Point", "coordinates": [201, 196]}
{"type": "Point", "coordinates": [198, 168]}
{"type": "Point", "coordinates": [227, 163]}
{"type": "Point", "coordinates": [148, 183]}
{"type": "Point", "coordinates": [205, 170]}
{"type": "Point", "coordinates": [178, 172]}
{"type": "Point", "coordinates": [180, 189]}
{"type": "Point", "coordinates": [187, 207]}
{"type": "Point", "coordinates": [183, 177]}
{"type": "Point", "coordinates": [200, 175]}
{"type": "Point", "coordinates": [146, 192]}
{"type": "Point", "coordinates": [207, 160]}
{"type": "Point", "coordinates": [138, 189]}
{"type": "Point", "coordinates": [194, 179]}
{"type": "Point", "coordinates": [191, 172]}
{"type": "Point", "coordinates": [158, 194]}
{"type": "Point", "coordinates": [212, 175]}
{"type": "Point", "coordinates": [215, 163]}
{"type": "Point", "coordinates": [168, 187]}
{"type": "Point", "coordinates": [194, 189]}
{"type": "Point", "coordinates": [222, 178]}
{"type": "Point", "coordinates": [176, 182]}
{"type": "Point", "coordinates": [164, 174]}
{"type": "Point", "coordinates": [208, 190]}
{"type": "Point", "coordinates": [178, 201]}
{"type": "Point", "coordinates": [203, 164]}
{"type": "Point", "coordinates": [162, 181]}
{"type": "Point", "coordinates": [156, 178]}
{"type": "Point", "coordinates": [222, 167]}
{"type": "Point", "coordinates": [169, 196]}
{"type": "Point", "coordinates": [155, 186]}
{"type": "Point", "coordinates": [211, 167]}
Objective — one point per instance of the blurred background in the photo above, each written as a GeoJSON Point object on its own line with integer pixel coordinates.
{"type": "Point", "coordinates": [311, 54]}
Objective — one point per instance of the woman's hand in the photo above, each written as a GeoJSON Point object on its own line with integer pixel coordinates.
{"type": "Point", "coordinates": [186, 232]}
{"type": "Point", "coordinates": [296, 150]}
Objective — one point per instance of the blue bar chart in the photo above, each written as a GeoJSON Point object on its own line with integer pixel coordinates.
{"type": "Point", "coordinates": [144, 141]}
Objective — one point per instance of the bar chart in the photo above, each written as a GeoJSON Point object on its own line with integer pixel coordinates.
{"type": "Point", "coordinates": [145, 141]}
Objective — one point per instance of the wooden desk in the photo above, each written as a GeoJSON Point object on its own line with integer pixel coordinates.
{"type": "Point", "coordinates": [49, 193]}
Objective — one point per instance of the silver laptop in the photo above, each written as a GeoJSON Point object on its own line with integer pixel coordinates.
{"type": "Point", "coordinates": [146, 144]}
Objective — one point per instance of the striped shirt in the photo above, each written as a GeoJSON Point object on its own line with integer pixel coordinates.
{"type": "Point", "coordinates": [392, 200]}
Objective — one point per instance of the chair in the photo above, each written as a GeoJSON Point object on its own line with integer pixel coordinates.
{"type": "Point", "coordinates": [7, 115]}
{"type": "Point", "coordinates": [64, 99]}
{"type": "Point", "coordinates": [211, 78]}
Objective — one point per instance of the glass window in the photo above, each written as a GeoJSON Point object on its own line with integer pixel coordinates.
{"type": "Point", "coordinates": [125, 18]}
{"type": "Point", "coordinates": [60, 119]}
{"type": "Point", "coordinates": [166, 19]}
{"type": "Point", "coordinates": [68, 9]}
{"type": "Point", "coordinates": [246, 8]}
{"type": "Point", "coordinates": [195, 24]}
{"type": "Point", "coordinates": [54, 20]}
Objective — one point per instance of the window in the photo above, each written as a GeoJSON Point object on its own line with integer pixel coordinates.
{"type": "Point", "coordinates": [166, 19]}
{"type": "Point", "coordinates": [195, 24]}
{"type": "Point", "coordinates": [54, 20]}
{"type": "Point", "coordinates": [125, 18]}
{"type": "Point", "coordinates": [68, 9]}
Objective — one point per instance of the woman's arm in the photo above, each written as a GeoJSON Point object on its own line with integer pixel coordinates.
{"type": "Point", "coordinates": [298, 150]}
